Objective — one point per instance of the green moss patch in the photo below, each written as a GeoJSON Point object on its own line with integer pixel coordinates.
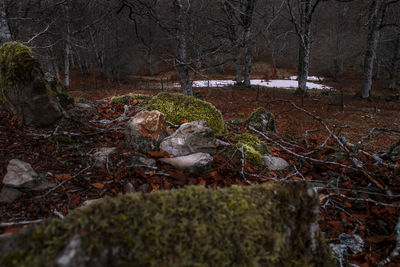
{"type": "Point", "coordinates": [178, 107]}
{"type": "Point", "coordinates": [253, 147]}
{"type": "Point", "coordinates": [16, 67]}
{"type": "Point", "coordinates": [263, 225]}
{"type": "Point", "coordinates": [125, 99]}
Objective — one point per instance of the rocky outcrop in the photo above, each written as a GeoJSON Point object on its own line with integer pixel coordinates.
{"type": "Point", "coordinates": [24, 89]}
{"type": "Point", "coordinates": [195, 163]}
{"type": "Point", "coordinates": [189, 138]}
{"type": "Point", "coordinates": [259, 225]}
{"type": "Point", "coordinates": [145, 131]}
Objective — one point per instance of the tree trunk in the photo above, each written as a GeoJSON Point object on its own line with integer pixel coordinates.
{"type": "Point", "coordinates": [5, 35]}
{"type": "Point", "coordinates": [372, 42]}
{"type": "Point", "coordinates": [238, 66]}
{"type": "Point", "coordinates": [247, 19]}
{"type": "Point", "coordinates": [247, 58]}
{"type": "Point", "coordinates": [181, 48]}
{"type": "Point", "coordinates": [304, 58]}
{"type": "Point", "coordinates": [395, 64]}
{"type": "Point", "coordinates": [67, 50]}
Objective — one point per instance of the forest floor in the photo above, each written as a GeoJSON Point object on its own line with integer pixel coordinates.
{"type": "Point", "coordinates": [358, 196]}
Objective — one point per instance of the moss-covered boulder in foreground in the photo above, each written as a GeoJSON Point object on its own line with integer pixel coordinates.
{"type": "Point", "coordinates": [178, 107]}
{"type": "Point", "coordinates": [262, 225]}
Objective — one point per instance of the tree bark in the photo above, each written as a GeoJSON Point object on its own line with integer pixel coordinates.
{"type": "Point", "coordinates": [247, 19]}
{"type": "Point", "coordinates": [67, 50]}
{"type": "Point", "coordinates": [395, 64]}
{"type": "Point", "coordinates": [304, 36]}
{"type": "Point", "coordinates": [372, 42]}
{"type": "Point", "coordinates": [181, 48]}
{"type": "Point", "coordinates": [5, 34]}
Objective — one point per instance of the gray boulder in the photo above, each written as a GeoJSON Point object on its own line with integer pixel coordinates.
{"type": "Point", "coordinates": [145, 131]}
{"type": "Point", "coordinates": [189, 138]}
{"type": "Point", "coordinates": [274, 163]}
{"type": "Point", "coordinates": [19, 173]}
{"type": "Point", "coordinates": [9, 194]}
{"type": "Point", "coordinates": [195, 163]}
{"type": "Point", "coordinates": [101, 156]}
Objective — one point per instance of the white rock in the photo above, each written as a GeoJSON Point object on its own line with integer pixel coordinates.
{"type": "Point", "coordinates": [195, 163]}
{"type": "Point", "coordinates": [189, 138]}
{"type": "Point", "coordinates": [275, 163]}
{"type": "Point", "coordinates": [19, 173]}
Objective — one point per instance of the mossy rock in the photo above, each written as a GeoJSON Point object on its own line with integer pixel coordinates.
{"type": "Point", "coordinates": [125, 99]}
{"type": "Point", "coordinates": [56, 89]}
{"type": "Point", "coordinates": [261, 120]}
{"type": "Point", "coordinates": [178, 107]}
{"type": "Point", "coordinates": [253, 147]}
{"type": "Point", "coordinates": [23, 88]}
{"type": "Point", "coordinates": [260, 225]}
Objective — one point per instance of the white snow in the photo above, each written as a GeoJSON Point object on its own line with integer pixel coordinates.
{"type": "Point", "coordinates": [309, 78]}
{"type": "Point", "coordinates": [287, 84]}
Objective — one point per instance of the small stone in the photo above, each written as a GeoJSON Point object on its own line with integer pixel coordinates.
{"type": "Point", "coordinates": [275, 163]}
{"type": "Point", "coordinates": [195, 163]}
{"type": "Point", "coordinates": [145, 131]}
{"type": "Point", "coordinates": [189, 138]}
{"type": "Point", "coordinates": [90, 202]}
{"type": "Point", "coordinates": [73, 254]}
{"type": "Point", "coordinates": [9, 194]}
{"type": "Point", "coordinates": [129, 188]}
{"type": "Point", "coordinates": [84, 106]}
{"type": "Point", "coordinates": [144, 188]}
{"type": "Point", "coordinates": [102, 155]}
{"type": "Point", "coordinates": [19, 173]}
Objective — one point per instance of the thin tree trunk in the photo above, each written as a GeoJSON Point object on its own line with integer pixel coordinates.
{"type": "Point", "coordinates": [181, 49]}
{"type": "Point", "coordinates": [67, 50]}
{"type": "Point", "coordinates": [395, 64]}
{"type": "Point", "coordinates": [247, 58]}
{"type": "Point", "coordinates": [5, 34]}
{"type": "Point", "coordinates": [238, 66]}
{"type": "Point", "coordinates": [304, 58]}
{"type": "Point", "coordinates": [372, 42]}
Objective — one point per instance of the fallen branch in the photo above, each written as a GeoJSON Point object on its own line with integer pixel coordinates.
{"type": "Point", "coordinates": [8, 224]}
{"type": "Point", "coordinates": [63, 182]}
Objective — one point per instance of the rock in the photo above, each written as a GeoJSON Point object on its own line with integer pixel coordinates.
{"type": "Point", "coordinates": [178, 107]}
{"type": "Point", "coordinates": [101, 156]}
{"type": "Point", "coordinates": [191, 137]}
{"type": "Point", "coordinates": [195, 163]}
{"type": "Point", "coordinates": [9, 242]}
{"type": "Point", "coordinates": [19, 173]}
{"type": "Point", "coordinates": [90, 202]}
{"type": "Point", "coordinates": [129, 188]}
{"type": "Point", "coordinates": [144, 188]}
{"type": "Point", "coordinates": [262, 120]}
{"type": "Point", "coordinates": [9, 194]}
{"type": "Point", "coordinates": [142, 162]}
{"type": "Point", "coordinates": [29, 94]}
{"type": "Point", "coordinates": [73, 254]}
{"type": "Point", "coordinates": [145, 131]}
{"type": "Point", "coordinates": [84, 106]}
{"type": "Point", "coordinates": [256, 223]}
{"type": "Point", "coordinates": [274, 163]}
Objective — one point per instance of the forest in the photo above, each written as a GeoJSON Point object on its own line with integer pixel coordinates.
{"type": "Point", "coordinates": [130, 125]}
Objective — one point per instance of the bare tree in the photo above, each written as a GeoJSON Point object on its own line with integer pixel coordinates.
{"type": "Point", "coordinates": [5, 35]}
{"type": "Point", "coordinates": [376, 21]}
{"type": "Point", "coordinates": [394, 68]}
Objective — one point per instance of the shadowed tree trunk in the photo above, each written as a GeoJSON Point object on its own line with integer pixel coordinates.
{"type": "Point", "coordinates": [181, 63]}
{"type": "Point", "coordinates": [247, 19]}
{"type": "Point", "coordinates": [395, 64]}
{"type": "Point", "coordinates": [5, 35]}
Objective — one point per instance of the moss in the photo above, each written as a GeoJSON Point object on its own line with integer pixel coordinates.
{"type": "Point", "coordinates": [238, 226]}
{"type": "Point", "coordinates": [125, 99]}
{"type": "Point", "coordinates": [16, 67]}
{"type": "Point", "coordinates": [253, 147]}
{"type": "Point", "coordinates": [80, 100]}
{"type": "Point", "coordinates": [178, 107]}
{"type": "Point", "coordinates": [255, 115]}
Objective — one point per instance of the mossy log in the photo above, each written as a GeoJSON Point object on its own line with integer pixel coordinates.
{"type": "Point", "coordinates": [260, 225]}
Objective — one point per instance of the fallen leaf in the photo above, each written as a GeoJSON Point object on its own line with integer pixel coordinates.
{"type": "Point", "coordinates": [63, 177]}
{"type": "Point", "coordinates": [158, 154]}
{"type": "Point", "coordinates": [98, 185]}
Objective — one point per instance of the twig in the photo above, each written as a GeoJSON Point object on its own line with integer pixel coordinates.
{"type": "Point", "coordinates": [358, 199]}
{"type": "Point", "coordinates": [63, 182]}
{"type": "Point", "coordinates": [298, 155]}
{"type": "Point", "coordinates": [8, 224]}
{"type": "Point", "coordinates": [396, 250]}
